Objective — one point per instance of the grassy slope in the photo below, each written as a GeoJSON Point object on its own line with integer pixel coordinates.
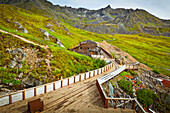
{"type": "Point", "coordinates": [150, 50]}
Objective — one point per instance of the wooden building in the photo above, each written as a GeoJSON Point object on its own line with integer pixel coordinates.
{"type": "Point", "coordinates": [90, 48]}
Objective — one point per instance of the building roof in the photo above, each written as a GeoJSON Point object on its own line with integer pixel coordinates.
{"type": "Point", "coordinates": [88, 41]}
{"type": "Point", "coordinates": [166, 83]}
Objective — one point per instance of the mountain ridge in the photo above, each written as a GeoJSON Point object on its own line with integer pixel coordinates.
{"type": "Point", "coordinates": [105, 20]}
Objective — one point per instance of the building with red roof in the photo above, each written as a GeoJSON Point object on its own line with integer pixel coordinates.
{"type": "Point", "coordinates": [166, 83]}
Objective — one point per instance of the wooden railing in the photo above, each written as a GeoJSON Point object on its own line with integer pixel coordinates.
{"type": "Point", "coordinates": [31, 92]}
{"type": "Point", "coordinates": [135, 103]}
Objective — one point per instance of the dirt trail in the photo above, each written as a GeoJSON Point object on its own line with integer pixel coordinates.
{"type": "Point", "coordinates": [28, 41]}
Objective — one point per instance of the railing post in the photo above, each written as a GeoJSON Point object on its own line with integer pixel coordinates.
{"type": "Point", "coordinates": [35, 91]}
{"type": "Point", "coordinates": [61, 83]}
{"type": "Point", "coordinates": [53, 86]}
{"type": "Point", "coordinates": [68, 81]}
{"type": "Point", "coordinates": [116, 104]}
{"type": "Point", "coordinates": [10, 99]}
{"type": "Point", "coordinates": [106, 103]}
{"type": "Point", "coordinates": [74, 79]}
{"type": "Point", "coordinates": [93, 73]}
{"type": "Point", "coordinates": [85, 75]}
{"type": "Point", "coordinates": [138, 109]}
{"type": "Point", "coordinates": [89, 74]}
{"type": "Point", "coordinates": [133, 105]}
{"type": "Point", "coordinates": [101, 70]}
{"type": "Point", "coordinates": [23, 95]}
{"type": "Point", "coordinates": [45, 89]}
{"type": "Point", "coordinates": [124, 104]}
{"type": "Point", "coordinates": [80, 78]}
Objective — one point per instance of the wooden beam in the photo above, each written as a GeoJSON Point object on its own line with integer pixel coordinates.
{"type": "Point", "coordinates": [133, 105]}
{"type": "Point", "coordinates": [35, 91]}
{"type": "Point", "coordinates": [23, 95]}
{"type": "Point", "coordinates": [106, 103]}
{"type": "Point", "coordinates": [53, 86]}
{"type": "Point", "coordinates": [116, 104]}
{"type": "Point", "coordinates": [45, 89]}
{"type": "Point", "coordinates": [124, 105]}
{"type": "Point", "coordinates": [68, 81]}
{"type": "Point", "coordinates": [80, 78]}
{"type": "Point", "coordinates": [10, 99]}
{"type": "Point", "coordinates": [138, 109]}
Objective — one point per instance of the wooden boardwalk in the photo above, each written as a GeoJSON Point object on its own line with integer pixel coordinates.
{"type": "Point", "coordinates": [82, 97]}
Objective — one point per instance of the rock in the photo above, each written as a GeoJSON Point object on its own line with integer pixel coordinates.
{"type": "Point", "coordinates": [20, 65]}
{"type": "Point", "coordinates": [68, 32]}
{"type": "Point", "coordinates": [60, 44]}
{"type": "Point", "coordinates": [25, 30]}
{"type": "Point", "coordinates": [19, 50]}
{"type": "Point", "coordinates": [58, 25]}
{"type": "Point", "coordinates": [1, 86]}
{"type": "Point", "coordinates": [5, 89]}
{"type": "Point", "coordinates": [49, 25]}
{"type": "Point", "coordinates": [38, 82]}
{"type": "Point", "coordinates": [18, 24]}
{"type": "Point", "coordinates": [52, 30]}
{"type": "Point", "coordinates": [7, 20]}
{"type": "Point", "coordinates": [21, 27]}
{"type": "Point", "coordinates": [13, 64]}
{"type": "Point", "coordinates": [45, 32]}
{"type": "Point", "coordinates": [20, 75]}
{"type": "Point", "coordinates": [11, 84]}
{"type": "Point", "coordinates": [46, 38]}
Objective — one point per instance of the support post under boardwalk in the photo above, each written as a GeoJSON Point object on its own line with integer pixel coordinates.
{"type": "Point", "coordinates": [124, 104]}
{"type": "Point", "coordinates": [106, 103]}
{"type": "Point", "coordinates": [116, 104]}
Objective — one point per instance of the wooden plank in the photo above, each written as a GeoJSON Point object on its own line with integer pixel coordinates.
{"type": "Point", "coordinates": [80, 78]}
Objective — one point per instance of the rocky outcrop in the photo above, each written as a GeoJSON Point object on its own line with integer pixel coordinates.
{"type": "Point", "coordinates": [20, 27]}
{"type": "Point", "coordinates": [19, 55]}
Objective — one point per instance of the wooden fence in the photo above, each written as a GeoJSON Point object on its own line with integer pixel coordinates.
{"type": "Point", "coordinates": [31, 92]}
{"type": "Point", "coordinates": [100, 81]}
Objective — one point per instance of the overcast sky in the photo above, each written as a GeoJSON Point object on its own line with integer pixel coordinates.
{"type": "Point", "coordinates": [159, 8]}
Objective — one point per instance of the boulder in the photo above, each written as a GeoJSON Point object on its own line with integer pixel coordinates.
{"type": "Point", "coordinates": [21, 27]}
{"type": "Point", "coordinates": [45, 32]}
{"type": "Point", "coordinates": [20, 75]}
{"type": "Point", "coordinates": [52, 30]}
{"type": "Point", "coordinates": [20, 65]}
{"type": "Point", "coordinates": [68, 32]}
{"type": "Point", "coordinates": [58, 25]}
{"type": "Point", "coordinates": [49, 25]}
{"type": "Point", "coordinates": [11, 84]}
{"type": "Point", "coordinates": [13, 64]}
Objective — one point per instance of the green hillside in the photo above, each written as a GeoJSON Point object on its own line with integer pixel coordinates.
{"type": "Point", "coordinates": [150, 50]}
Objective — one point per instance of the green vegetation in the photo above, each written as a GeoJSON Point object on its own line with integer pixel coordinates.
{"type": "Point", "coordinates": [146, 97]}
{"type": "Point", "coordinates": [126, 86]}
{"type": "Point", "coordinates": [64, 63]}
{"type": "Point", "coordinates": [150, 50]}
